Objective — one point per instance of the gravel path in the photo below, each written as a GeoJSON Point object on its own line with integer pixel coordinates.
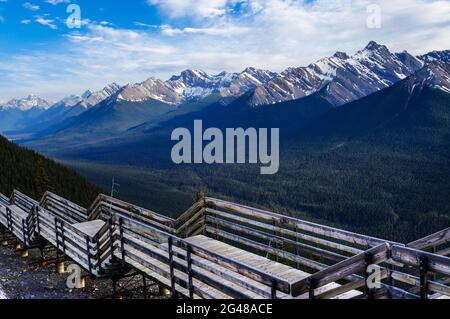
{"type": "Point", "coordinates": [2, 294]}
{"type": "Point", "coordinates": [28, 278]}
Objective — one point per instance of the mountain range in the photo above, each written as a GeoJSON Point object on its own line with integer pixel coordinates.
{"type": "Point", "coordinates": [346, 78]}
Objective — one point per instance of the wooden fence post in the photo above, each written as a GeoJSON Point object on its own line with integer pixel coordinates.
{"type": "Point", "coordinates": [172, 270]}
{"type": "Point", "coordinates": [189, 270]}
{"type": "Point", "coordinates": [423, 277]}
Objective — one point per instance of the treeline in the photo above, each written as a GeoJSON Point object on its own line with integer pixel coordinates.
{"type": "Point", "coordinates": [33, 174]}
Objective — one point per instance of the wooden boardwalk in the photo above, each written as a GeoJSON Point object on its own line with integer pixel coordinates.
{"type": "Point", "coordinates": [221, 250]}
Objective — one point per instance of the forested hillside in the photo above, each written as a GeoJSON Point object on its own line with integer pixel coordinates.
{"type": "Point", "coordinates": [33, 174]}
{"type": "Point", "coordinates": [379, 166]}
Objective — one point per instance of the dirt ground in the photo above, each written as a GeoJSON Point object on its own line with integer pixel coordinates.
{"type": "Point", "coordinates": [31, 278]}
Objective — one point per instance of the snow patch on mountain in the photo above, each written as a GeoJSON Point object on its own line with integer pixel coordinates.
{"type": "Point", "coordinates": [346, 78]}
{"type": "Point", "coordinates": [26, 104]}
{"type": "Point", "coordinates": [89, 98]}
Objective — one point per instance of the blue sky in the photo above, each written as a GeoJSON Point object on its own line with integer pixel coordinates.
{"type": "Point", "coordinates": [129, 41]}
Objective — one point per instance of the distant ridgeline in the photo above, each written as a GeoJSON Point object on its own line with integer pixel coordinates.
{"type": "Point", "coordinates": [24, 169]}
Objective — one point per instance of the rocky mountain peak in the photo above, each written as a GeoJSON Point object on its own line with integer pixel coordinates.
{"type": "Point", "coordinates": [341, 55]}
{"type": "Point", "coordinates": [374, 46]}
{"type": "Point", "coordinates": [436, 56]}
{"type": "Point", "coordinates": [436, 75]}
{"type": "Point", "coordinates": [347, 77]}
{"type": "Point", "coordinates": [28, 103]}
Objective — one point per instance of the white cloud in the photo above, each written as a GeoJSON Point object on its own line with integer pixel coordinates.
{"type": "Point", "coordinates": [212, 35]}
{"type": "Point", "coordinates": [224, 30]}
{"type": "Point", "coordinates": [30, 6]}
{"type": "Point", "coordinates": [55, 2]}
{"type": "Point", "coordinates": [25, 21]}
{"type": "Point", "coordinates": [199, 8]}
{"type": "Point", "coordinates": [46, 22]}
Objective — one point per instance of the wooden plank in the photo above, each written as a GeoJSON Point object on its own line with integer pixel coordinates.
{"type": "Point", "coordinates": [327, 231]}
{"type": "Point", "coordinates": [276, 239]}
{"type": "Point", "coordinates": [90, 228]}
{"type": "Point", "coordinates": [81, 210]}
{"type": "Point", "coordinates": [246, 282]}
{"type": "Point", "coordinates": [288, 232]}
{"type": "Point", "coordinates": [147, 230]}
{"type": "Point", "coordinates": [18, 211]}
{"type": "Point", "coordinates": [187, 215]}
{"type": "Point", "coordinates": [137, 216]}
{"type": "Point", "coordinates": [252, 261]}
{"type": "Point", "coordinates": [341, 270]}
{"type": "Point", "coordinates": [4, 200]}
{"type": "Point", "coordinates": [444, 252]}
{"type": "Point", "coordinates": [409, 256]}
{"type": "Point", "coordinates": [136, 210]}
{"type": "Point", "coordinates": [335, 290]}
{"type": "Point", "coordinates": [431, 241]}
{"type": "Point", "coordinates": [181, 278]}
{"type": "Point", "coordinates": [262, 247]}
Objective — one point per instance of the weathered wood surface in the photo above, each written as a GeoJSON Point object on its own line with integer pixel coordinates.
{"type": "Point", "coordinates": [217, 269]}
{"type": "Point", "coordinates": [4, 200]}
{"type": "Point", "coordinates": [23, 201]}
{"type": "Point", "coordinates": [16, 210]}
{"type": "Point", "coordinates": [327, 231]}
{"type": "Point", "coordinates": [91, 228]}
{"type": "Point", "coordinates": [154, 235]}
{"type": "Point", "coordinates": [111, 204]}
{"type": "Point", "coordinates": [431, 241]}
{"type": "Point", "coordinates": [412, 257]}
{"type": "Point", "coordinates": [64, 208]}
{"type": "Point", "coordinates": [444, 252]}
{"type": "Point", "coordinates": [271, 236]}
{"type": "Point", "coordinates": [265, 248]}
{"type": "Point", "coordinates": [341, 270]}
{"type": "Point", "coordinates": [268, 266]}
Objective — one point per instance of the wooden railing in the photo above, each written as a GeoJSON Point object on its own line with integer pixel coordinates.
{"type": "Point", "coordinates": [63, 208]}
{"type": "Point", "coordinates": [23, 201]}
{"type": "Point", "coordinates": [4, 200]}
{"type": "Point", "coordinates": [437, 243]}
{"type": "Point", "coordinates": [106, 206]}
{"type": "Point", "coordinates": [18, 224]}
{"type": "Point", "coordinates": [428, 265]}
{"type": "Point", "coordinates": [87, 251]}
{"type": "Point", "coordinates": [309, 246]}
{"type": "Point", "coordinates": [154, 244]}
{"type": "Point", "coordinates": [189, 268]}
{"type": "Point", "coordinates": [425, 263]}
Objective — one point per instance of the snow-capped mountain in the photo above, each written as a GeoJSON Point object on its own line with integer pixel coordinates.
{"type": "Point", "coordinates": [191, 84]}
{"type": "Point", "coordinates": [152, 88]}
{"type": "Point", "coordinates": [18, 113]}
{"type": "Point", "coordinates": [340, 79]}
{"type": "Point", "coordinates": [436, 56]}
{"type": "Point", "coordinates": [195, 84]}
{"type": "Point", "coordinates": [435, 75]}
{"type": "Point", "coordinates": [90, 98]}
{"type": "Point", "coordinates": [347, 78]}
{"type": "Point", "coordinates": [26, 104]}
